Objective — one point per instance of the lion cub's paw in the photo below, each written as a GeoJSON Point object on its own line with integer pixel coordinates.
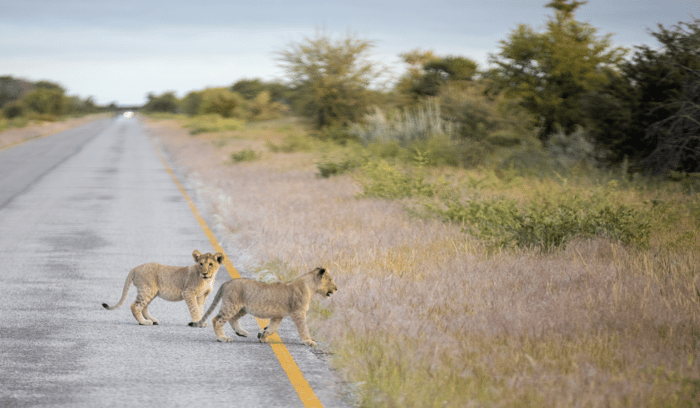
{"type": "Point", "coordinates": [311, 343]}
{"type": "Point", "coordinates": [146, 323]}
{"type": "Point", "coordinates": [196, 324]}
{"type": "Point", "coordinates": [260, 336]}
{"type": "Point", "coordinates": [242, 333]}
{"type": "Point", "coordinates": [224, 339]}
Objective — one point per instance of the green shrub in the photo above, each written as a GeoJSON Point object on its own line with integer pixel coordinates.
{"type": "Point", "coordinates": [223, 102]}
{"type": "Point", "coordinates": [292, 143]}
{"type": "Point", "coordinates": [338, 134]}
{"type": "Point", "coordinates": [245, 155]}
{"type": "Point", "coordinates": [213, 123]}
{"type": "Point", "coordinates": [13, 110]}
{"type": "Point", "coordinates": [502, 224]}
{"type": "Point", "coordinates": [329, 167]}
{"type": "Point", "coordinates": [380, 179]}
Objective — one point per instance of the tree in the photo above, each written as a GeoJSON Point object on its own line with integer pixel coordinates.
{"type": "Point", "coordinates": [191, 102]}
{"type": "Point", "coordinates": [12, 89]}
{"type": "Point", "coordinates": [248, 88]}
{"type": "Point", "coordinates": [439, 71]}
{"type": "Point", "coordinates": [552, 71]}
{"type": "Point", "coordinates": [166, 102]}
{"type": "Point", "coordinates": [676, 137]}
{"type": "Point", "coordinates": [649, 113]}
{"type": "Point", "coordinates": [331, 78]}
{"type": "Point", "coordinates": [406, 85]}
{"type": "Point", "coordinates": [428, 73]}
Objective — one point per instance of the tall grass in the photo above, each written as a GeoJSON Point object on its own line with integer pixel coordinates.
{"type": "Point", "coordinates": [406, 126]}
{"type": "Point", "coordinates": [424, 317]}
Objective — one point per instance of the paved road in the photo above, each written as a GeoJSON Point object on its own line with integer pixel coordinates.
{"type": "Point", "coordinates": [78, 210]}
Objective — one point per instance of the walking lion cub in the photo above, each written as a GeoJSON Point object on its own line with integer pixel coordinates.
{"type": "Point", "coordinates": [174, 283]}
{"type": "Point", "coordinates": [271, 301]}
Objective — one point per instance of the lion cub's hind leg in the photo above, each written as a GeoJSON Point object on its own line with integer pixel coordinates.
{"type": "Point", "coordinates": [236, 324]}
{"type": "Point", "coordinates": [148, 315]}
{"type": "Point", "coordinates": [140, 308]}
{"type": "Point", "coordinates": [270, 329]}
{"type": "Point", "coordinates": [226, 313]}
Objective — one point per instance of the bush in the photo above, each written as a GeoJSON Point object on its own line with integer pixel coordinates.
{"type": "Point", "coordinates": [329, 167]}
{"type": "Point", "coordinates": [484, 117]}
{"type": "Point", "coordinates": [380, 179]}
{"type": "Point", "coordinates": [46, 101]}
{"type": "Point", "coordinates": [263, 108]}
{"type": "Point", "coordinates": [292, 143]}
{"type": "Point", "coordinates": [502, 224]}
{"type": "Point", "coordinates": [337, 134]}
{"type": "Point", "coordinates": [13, 110]}
{"type": "Point", "coordinates": [224, 103]}
{"type": "Point", "coordinates": [166, 102]}
{"type": "Point", "coordinates": [245, 155]}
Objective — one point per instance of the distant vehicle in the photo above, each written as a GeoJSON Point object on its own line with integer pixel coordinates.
{"type": "Point", "coordinates": [128, 114]}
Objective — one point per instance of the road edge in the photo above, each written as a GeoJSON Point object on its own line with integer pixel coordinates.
{"type": "Point", "coordinates": [296, 377]}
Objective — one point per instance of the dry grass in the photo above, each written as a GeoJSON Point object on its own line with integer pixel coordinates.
{"type": "Point", "coordinates": [423, 318]}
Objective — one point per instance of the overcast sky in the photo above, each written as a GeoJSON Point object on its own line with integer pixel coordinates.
{"type": "Point", "coordinates": [118, 51]}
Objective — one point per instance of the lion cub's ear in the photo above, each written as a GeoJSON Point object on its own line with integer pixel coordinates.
{"type": "Point", "coordinates": [219, 257]}
{"type": "Point", "coordinates": [196, 254]}
{"type": "Point", "coordinates": [321, 271]}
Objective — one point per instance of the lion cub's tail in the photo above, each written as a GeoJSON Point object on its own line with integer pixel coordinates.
{"type": "Point", "coordinates": [214, 302]}
{"type": "Point", "coordinates": [127, 285]}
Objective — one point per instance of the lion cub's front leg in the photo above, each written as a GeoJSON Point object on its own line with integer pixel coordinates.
{"type": "Point", "coordinates": [299, 319]}
{"type": "Point", "coordinates": [193, 304]}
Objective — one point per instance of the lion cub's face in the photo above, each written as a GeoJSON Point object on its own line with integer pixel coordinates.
{"type": "Point", "coordinates": [325, 285]}
{"type": "Point", "coordinates": [207, 264]}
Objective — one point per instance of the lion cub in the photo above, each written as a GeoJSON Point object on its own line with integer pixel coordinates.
{"type": "Point", "coordinates": [173, 283]}
{"type": "Point", "coordinates": [271, 301]}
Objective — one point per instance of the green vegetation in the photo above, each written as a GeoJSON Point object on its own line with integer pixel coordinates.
{"type": "Point", "coordinates": [552, 71]}
{"type": "Point", "coordinates": [331, 78]}
{"type": "Point", "coordinates": [502, 224]}
{"type": "Point", "coordinates": [548, 111]}
{"type": "Point", "coordinates": [220, 101]}
{"type": "Point", "coordinates": [212, 123]}
{"type": "Point", "coordinates": [649, 113]}
{"type": "Point", "coordinates": [293, 142]}
{"type": "Point", "coordinates": [523, 236]}
{"type": "Point", "coordinates": [245, 155]}
{"type": "Point", "coordinates": [558, 99]}
{"type": "Point", "coordinates": [22, 102]}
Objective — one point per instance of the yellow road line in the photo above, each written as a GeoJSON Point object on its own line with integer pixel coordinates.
{"type": "Point", "coordinates": [296, 377]}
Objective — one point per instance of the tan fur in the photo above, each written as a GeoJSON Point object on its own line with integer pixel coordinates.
{"type": "Point", "coordinates": [271, 301]}
{"type": "Point", "coordinates": [173, 283]}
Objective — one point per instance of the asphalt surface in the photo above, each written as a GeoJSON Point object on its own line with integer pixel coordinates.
{"type": "Point", "coordinates": [78, 210]}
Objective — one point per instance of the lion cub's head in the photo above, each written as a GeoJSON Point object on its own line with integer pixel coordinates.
{"type": "Point", "coordinates": [324, 282]}
{"type": "Point", "coordinates": [207, 264]}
